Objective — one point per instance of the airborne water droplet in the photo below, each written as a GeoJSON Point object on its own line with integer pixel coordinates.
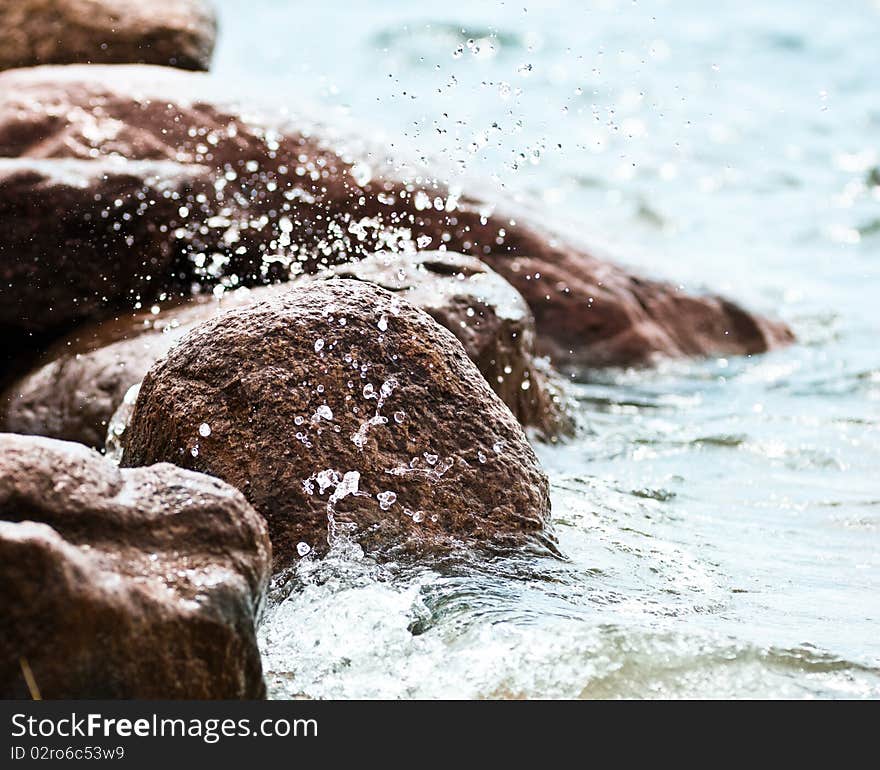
{"type": "Point", "coordinates": [361, 173]}
{"type": "Point", "coordinates": [204, 430]}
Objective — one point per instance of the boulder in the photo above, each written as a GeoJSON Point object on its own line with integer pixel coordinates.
{"type": "Point", "coordinates": [293, 195]}
{"type": "Point", "coordinates": [340, 409]}
{"type": "Point", "coordinates": [141, 583]}
{"type": "Point", "coordinates": [175, 33]}
{"type": "Point", "coordinates": [74, 390]}
{"type": "Point", "coordinates": [488, 317]}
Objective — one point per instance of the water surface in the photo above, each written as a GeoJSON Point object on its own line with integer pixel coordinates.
{"type": "Point", "coordinates": [720, 519]}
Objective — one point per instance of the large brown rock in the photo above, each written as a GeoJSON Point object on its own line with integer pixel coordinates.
{"type": "Point", "coordinates": [488, 317]}
{"type": "Point", "coordinates": [141, 583]}
{"type": "Point", "coordinates": [341, 409]}
{"type": "Point", "coordinates": [176, 33]}
{"type": "Point", "coordinates": [292, 195]}
{"type": "Point", "coordinates": [74, 390]}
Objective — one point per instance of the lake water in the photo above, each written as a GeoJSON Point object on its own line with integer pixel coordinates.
{"type": "Point", "coordinates": [720, 519]}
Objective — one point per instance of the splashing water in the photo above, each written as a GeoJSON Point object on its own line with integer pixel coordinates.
{"type": "Point", "coordinates": [720, 519]}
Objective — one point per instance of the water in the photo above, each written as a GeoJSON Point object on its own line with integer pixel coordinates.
{"type": "Point", "coordinates": [720, 519]}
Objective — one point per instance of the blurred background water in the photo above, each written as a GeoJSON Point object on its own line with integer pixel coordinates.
{"type": "Point", "coordinates": [720, 519]}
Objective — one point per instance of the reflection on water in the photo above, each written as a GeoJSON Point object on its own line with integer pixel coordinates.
{"type": "Point", "coordinates": [719, 520]}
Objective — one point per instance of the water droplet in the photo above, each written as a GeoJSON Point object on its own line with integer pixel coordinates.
{"type": "Point", "coordinates": [361, 173]}
{"type": "Point", "coordinates": [418, 516]}
{"type": "Point", "coordinates": [399, 417]}
{"type": "Point", "coordinates": [383, 324]}
{"type": "Point", "coordinates": [204, 430]}
{"type": "Point", "coordinates": [303, 548]}
{"type": "Point", "coordinates": [431, 459]}
{"type": "Point", "coordinates": [386, 499]}
{"type": "Point", "coordinates": [319, 345]}
{"type": "Point", "coordinates": [324, 411]}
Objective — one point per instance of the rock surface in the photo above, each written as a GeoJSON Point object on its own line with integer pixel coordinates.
{"type": "Point", "coordinates": [81, 236]}
{"type": "Point", "coordinates": [176, 33]}
{"type": "Point", "coordinates": [140, 583]}
{"type": "Point", "coordinates": [73, 390]}
{"type": "Point", "coordinates": [341, 409]}
{"type": "Point", "coordinates": [488, 317]}
{"type": "Point", "coordinates": [290, 195]}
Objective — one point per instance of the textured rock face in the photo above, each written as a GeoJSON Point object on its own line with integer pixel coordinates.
{"type": "Point", "coordinates": [81, 236]}
{"type": "Point", "coordinates": [341, 409]}
{"type": "Point", "coordinates": [488, 317]}
{"type": "Point", "coordinates": [139, 583]}
{"type": "Point", "coordinates": [291, 196]}
{"type": "Point", "coordinates": [176, 33]}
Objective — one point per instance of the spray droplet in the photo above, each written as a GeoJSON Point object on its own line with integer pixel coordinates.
{"type": "Point", "coordinates": [204, 430]}
{"type": "Point", "coordinates": [361, 173]}
{"type": "Point", "coordinates": [319, 345]}
{"type": "Point", "coordinates": [386, 499]}
{"type": "Point", "coordinates": [303, 548]}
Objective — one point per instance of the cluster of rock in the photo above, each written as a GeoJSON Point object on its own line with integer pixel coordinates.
{"type": "Point", "coordinates": [290, 337]}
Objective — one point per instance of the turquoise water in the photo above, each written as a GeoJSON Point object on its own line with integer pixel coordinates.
{"type": "Point", "coordinates": [720, 519]}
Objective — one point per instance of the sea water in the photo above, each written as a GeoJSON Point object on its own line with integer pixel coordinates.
{"type": "Point", "coordinates": [719, 519]}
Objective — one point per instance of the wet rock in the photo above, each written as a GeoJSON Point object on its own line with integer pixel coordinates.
{"type": "Point", "coordinates": [295, 195]}
{"type": "Point", "coordinates": [340, 409]}
{"type": "Point", "coordinates": [81, 236]}
{"type": "Point", "coordinates": [593, 313]}
{"type": "Point", "coordinates": [176, 33]}
{"type": "Point", "coordinates": [74, 390]}
{"type": "Point", "coordinates": [488, 317]}
{"type": "Point", "coordinates": [140, 583]}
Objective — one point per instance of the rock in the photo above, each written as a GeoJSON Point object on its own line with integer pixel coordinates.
{"type": "Point", "coordinates": [76, 239]}
{"type": "Point", "coordinates": [175, 33]}
{"type": "Point", "coordinates": [141, 583]}
{"type": "Point", "coordinates": [592, 313]}
{"type": "Point", "coordinates": [294, 195]}
{"type": "Point", "coordinates": [488, 317]}
{"type": "Point", "coordinates": [340, 409]}
{"type": "Point", "coordinates": [74, 390]}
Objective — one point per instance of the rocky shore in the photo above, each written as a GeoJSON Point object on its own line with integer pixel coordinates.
{"type": "Point", "coordinates": [289, 335]}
